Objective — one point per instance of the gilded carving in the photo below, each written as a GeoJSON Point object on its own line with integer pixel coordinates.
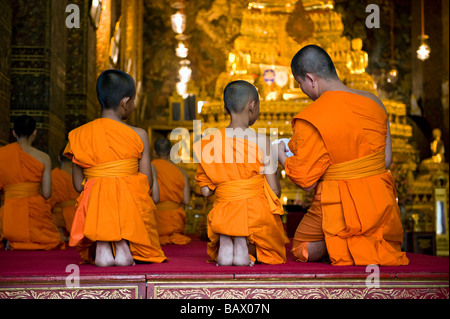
{"type": "Point", "coordinates": [65, 293]}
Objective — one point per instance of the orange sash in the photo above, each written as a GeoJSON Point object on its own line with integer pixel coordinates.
{"type": "Point", "coordinates": [22, 190]}
{"type": "Point", "coordinates": [248, 188]}
{"type": "Point", "coordinates": [366, 166]}
{"type": "Point", "coordinates": [111, 169]}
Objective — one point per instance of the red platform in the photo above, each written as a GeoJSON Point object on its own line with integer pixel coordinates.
{"type": "Point", "coordinates": [44, 274]}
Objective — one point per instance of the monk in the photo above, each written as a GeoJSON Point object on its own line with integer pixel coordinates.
{"type": "Point", "coordinates": [174, 191]}
{"type": "Point", "coordinates": [342, 151]}
{"type": "Point", "coordinates": [114, 224]}
{"type": "Point", "coordinates": [25, 177]}
{"type": "Point", "coordinates": [64, 196]}
{"type": "Point", "coordinates": [244, 225]}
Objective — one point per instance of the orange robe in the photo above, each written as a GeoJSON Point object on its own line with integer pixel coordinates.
{"type": "Point", "coordinates": [27, 218]}
{"type": "Point", "coordinates": [170, 215]}
{"type": "Point", "coordinates": [115, 203]}
{"type": "Point", "coordinates": [245, 205]}
{"type": "Point", "coordinates": [339, 142]}
{"type": "Point", "coordinates": [63, 199]}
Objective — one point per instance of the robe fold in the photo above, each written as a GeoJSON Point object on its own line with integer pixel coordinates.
{"type": "Point", "coordinates": [64, 198]}
{"type": "Point", "coordinates": [170, 215]}
{"type": "Point", "coordinates": [27, 218]}
{"type": "Point", "coordinates": [245, 205]}
{"type": "Point", "coordinates": [339, 142]}
{"type": "Point", "coordinates": [115, 203]}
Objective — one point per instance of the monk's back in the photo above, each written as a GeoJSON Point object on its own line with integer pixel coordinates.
{"type": "Point", "coordinates": [351, 125]}
{"type": "Point", "coordinates": [234, 158]}
{"type": "Point", "coordinates": [105, 140]}
{"type": "Point", "coordinates": [18, 166]}
{"type": "Point", "coordinates": [170, 180]}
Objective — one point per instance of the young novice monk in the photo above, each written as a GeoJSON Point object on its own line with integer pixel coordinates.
{"type": "Point", "coordinates": [174, 191]}
{"type": "Point", "coordinates": [25, 177]}
{"type": "Point", "coordinates": [112, 169]}
{"type": "Point", "coordinates": [235, 166]}
{"type": "Point", "coordinates": [64, 196]}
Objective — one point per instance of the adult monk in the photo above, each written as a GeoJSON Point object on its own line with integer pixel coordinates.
{"type": "Point", "coordinates": [342, 150]}
{"type": "Point", "coordinates": [25, 177]}
{"type": "Point", "coordinates": [174, 191]}
{"type": "Point", "coordinates": [112, 169]}
{"type": "Point", "coordinates": [64, 196]}
{"type": "Point", "coordinates": [235, 166]}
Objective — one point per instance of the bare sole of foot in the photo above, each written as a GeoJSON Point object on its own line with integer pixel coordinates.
{"type": "Point", "coordinates": [240, 252]}
{"type": "Point", "coordinates": [225, 257]}
{"type": "Point", "coordinates": [103, 254]}
{"type": "Point", "coordinates": [123, 255]}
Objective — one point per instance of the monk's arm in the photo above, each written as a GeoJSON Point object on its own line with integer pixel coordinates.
{"type": "Point", "coordinates": [186, 190]}
{"type": "Point", "coordinates": [206, 191]}
{"type": "Point", "coordinates": [46, 186]}
{"type": "Point", "coordinates": [281, 148]}
{"type": "Point", "coordinates": [204, 182]}
{"type": "Point", "coordinates": [77, 177]}
{"type": "Point", "coordinates": [271, 167]}
{"type": "Point", "coordinates": [388, 149]}
{"type": "Point", "coordinates": [155, 189]}
{"type": "Point", "coordinates": [310, 159]}
{"type": "Point", "coordinates": [145, 160]}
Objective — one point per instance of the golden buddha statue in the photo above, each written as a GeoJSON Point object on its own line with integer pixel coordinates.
{"type": "Point", "coordinates": [437, 147]}
{"type": "Point", "coordinates": [357, 59]}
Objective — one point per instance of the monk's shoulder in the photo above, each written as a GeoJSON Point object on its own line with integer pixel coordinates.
{"type": "Point", "coordinates": [140, 132]}
{"type": "Point", "coordinates": [371, 96]}
{"type": "Point", "coordinates": [42, 157]}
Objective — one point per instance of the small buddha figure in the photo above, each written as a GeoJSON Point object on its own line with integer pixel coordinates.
{"type": "Point", "coordinates": [357, 59]}
{"type": "Point", "coordinates": [437, 147]}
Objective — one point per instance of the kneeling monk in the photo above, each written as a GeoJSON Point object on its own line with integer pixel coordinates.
{"type": "Point", "coordinates": [25, 177]}
{"type": "Point", "coordinates": [235, 167]}
{"type": "Point", "coordinates": [174, 191]}
{"type": "Point", "coordinates": [113, 170]}
{"type": "Point", "coordinates": [342, 149]}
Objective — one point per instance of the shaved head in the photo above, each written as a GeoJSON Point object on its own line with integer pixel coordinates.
{"type": "Point", "coordinates": [162, 146]}
{"type": "Point", "coordinates": [238, 94]}
{"type": "Point", "coordinates": [313, 59]}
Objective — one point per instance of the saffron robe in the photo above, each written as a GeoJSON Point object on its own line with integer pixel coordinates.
{"type": "Point", "coordinates": [27, 218]}
{"type": "Point", "coordinates": [115, 203]}
{"type": "Point", "coordinates": [245, 205]}
{"type": "Point", "coordinates": [356, 215]}
{"type": "Point", "coordinates": [170, 215]}
{"type": "Point", "coordinates": [63, 199]}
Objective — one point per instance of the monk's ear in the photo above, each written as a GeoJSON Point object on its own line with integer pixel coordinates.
{"type": "Point", "coordinates": [311, 79]}
{"type": "Point", "coordinates": [252, 106]}
{"type": "Point", "coordinates": [15, 134]}
{"type": "Point", "coordinates": [124, 101]}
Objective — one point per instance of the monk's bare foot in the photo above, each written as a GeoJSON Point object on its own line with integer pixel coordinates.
{"type": "Point", "coordinates": [240, 252]}
{"type": "Point", "coordinates": [123, 254]}
{"type": "Point", "coordinates": [225, 257]}
{"type": "Point", "coordinates": [103, 254]}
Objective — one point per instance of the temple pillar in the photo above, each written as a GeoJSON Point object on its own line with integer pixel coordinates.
{"type": "Point", "coordinates": [38, 69]}
{"type": "Point", "coordinates": [5, 77]}
{"type": "Point", "coordinates": [81, 97]}
{"type": "Point", "coordinates": [131, 48]}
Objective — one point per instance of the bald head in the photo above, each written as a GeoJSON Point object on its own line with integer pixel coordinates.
{"type": "Point", "coordinates": [238, 94]}
{"type": "Point", "coordinates": [313, 59]}
{"type": "Point", "coordinates": [162, 146]}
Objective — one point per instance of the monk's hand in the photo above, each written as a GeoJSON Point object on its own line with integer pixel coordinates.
{"type": "Point", "coordinates": [282, 149]}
